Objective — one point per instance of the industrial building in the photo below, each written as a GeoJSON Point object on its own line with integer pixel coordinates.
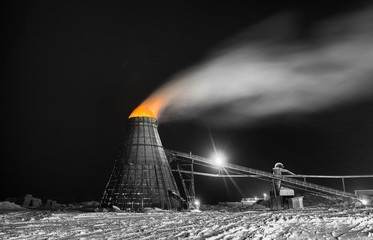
{"type": "Point", "coordinates": [141, 176]}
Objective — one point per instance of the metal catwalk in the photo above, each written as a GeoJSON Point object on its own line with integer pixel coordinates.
{"type": "Point", "coordinates": [240, 171]}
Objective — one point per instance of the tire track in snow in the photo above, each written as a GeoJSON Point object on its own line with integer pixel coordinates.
{"type": "Point", "coordinates": [308, 223]}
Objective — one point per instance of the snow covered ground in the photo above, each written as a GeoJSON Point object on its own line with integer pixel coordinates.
{"type": "Point", "coordinates": [309, 223]}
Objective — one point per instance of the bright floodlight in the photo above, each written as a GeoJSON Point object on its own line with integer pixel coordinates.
{"type": "Point", "coordinates": [219, 159]}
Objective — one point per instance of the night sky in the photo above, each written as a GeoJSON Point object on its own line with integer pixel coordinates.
{"type": "Point", "coordinates": [72, 72]}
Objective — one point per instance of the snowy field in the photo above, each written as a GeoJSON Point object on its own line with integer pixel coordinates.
{"type": "Point", "coordinates": [309, 223]}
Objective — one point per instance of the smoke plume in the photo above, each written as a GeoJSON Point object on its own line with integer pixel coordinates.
{"type": "Point", "coordinates": [266, 71]}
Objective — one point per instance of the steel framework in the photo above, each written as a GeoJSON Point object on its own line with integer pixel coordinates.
{"type": "Point", "coordinates": [141, 176]}
{"type": "Point", "coordinates": [234, 170]}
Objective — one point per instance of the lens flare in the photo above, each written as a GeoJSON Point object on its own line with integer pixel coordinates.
{"type": "Point", "coordinates": [219, 159]}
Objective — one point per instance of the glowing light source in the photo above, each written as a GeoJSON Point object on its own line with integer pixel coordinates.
{"type": "Point", "coordinates": [219, 159]}
{"type": "Point", "coordinates": [197, 203]}
{"type": "Point", "coordinates": [142, 111]}
{"type": "Point", "coordinates": [149, 108]}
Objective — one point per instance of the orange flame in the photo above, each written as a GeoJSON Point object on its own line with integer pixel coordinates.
{"type": "Point", "coordinates": [149, 108]}
{"type": "Point", "coordinates": [142, 111]}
